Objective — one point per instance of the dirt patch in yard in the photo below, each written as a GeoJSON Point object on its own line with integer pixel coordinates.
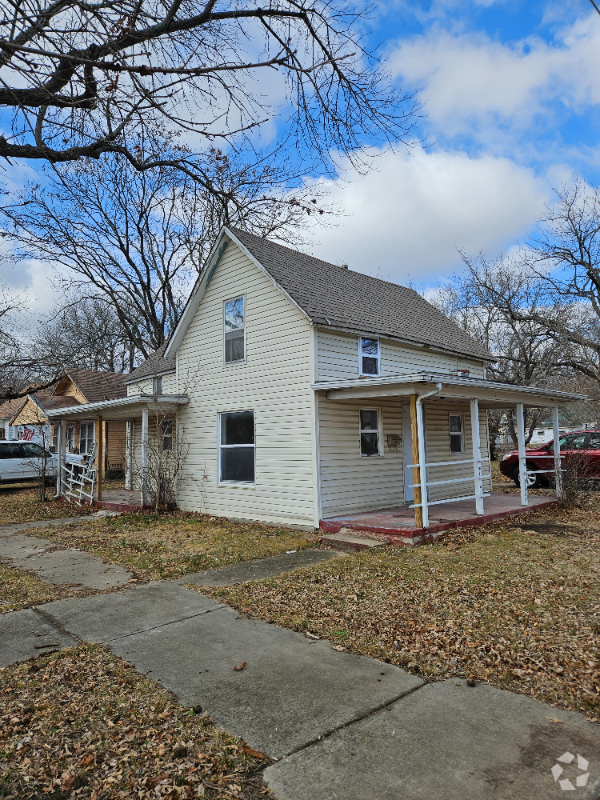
{"type": "Point", "coordinates": [156, 547]}
{"type": "Point", "coordinates": [83, 723]}
{"type": "Point", "coordinates": [515, 603]}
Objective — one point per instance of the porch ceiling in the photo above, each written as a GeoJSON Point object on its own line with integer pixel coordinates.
{"type": "Point", "coordinates": [122, 407]}
{"type": "Point", "coordinates": [489, 393]}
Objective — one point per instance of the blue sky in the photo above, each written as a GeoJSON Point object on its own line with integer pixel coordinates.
{"type": "Point", "coordinates": [511, 104]}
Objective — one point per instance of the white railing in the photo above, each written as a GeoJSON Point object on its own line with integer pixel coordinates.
{"type": "Point", "coordinates": [475, 478]}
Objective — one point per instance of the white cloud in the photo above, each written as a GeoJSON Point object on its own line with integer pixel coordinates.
{"type": "Point", "coordinates": [405, 220]}
{"type": "Point", "coordinates": [469, 79]}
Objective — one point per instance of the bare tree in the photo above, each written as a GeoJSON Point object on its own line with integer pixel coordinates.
{"type": "Point", "coordinates": [138, 241]}
{"type": "Point", "coordinates": [85, 80]}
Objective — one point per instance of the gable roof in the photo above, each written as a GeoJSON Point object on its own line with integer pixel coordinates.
{"type": "Point", "coordinates": [96, 386]}
{"type": "Point", "coordinates": [341, 298]}
{"type": "Point", "coordinates": [10, 407]}
{"type": "Point", "coordinates": [155, 364]}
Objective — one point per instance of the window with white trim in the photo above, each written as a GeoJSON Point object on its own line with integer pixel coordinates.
{"type": "Point", "coordinates": [167, 436]}
{"type": "Point", "coordinates": [235, 349]}
{"type": "Point", "coordinates": [368, 355]}
{"type": "Point", "coordinates": [370, 434]}
{"type": "Point", "coordinates": [455, 425]}
{"type": "Point", "coordinates": [86, 437]}
{"type": "Point", "coordinates": [236, 447]}
{"type": "Point", "coordinates": [157, 385]}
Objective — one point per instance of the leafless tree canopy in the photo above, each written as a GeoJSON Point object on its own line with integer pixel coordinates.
{"type": "Point", "coordinates": [84, 79]}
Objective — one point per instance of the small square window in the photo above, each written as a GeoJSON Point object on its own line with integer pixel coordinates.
{"type": "Point", "coordinates": [368, 355]}
{"type": "Point", "coordinates": [234, 330]}
{"type": "Point", "coordinates": [236, 447]}
{"type": "Point", "coordinates": [456, 433]}
{"type": "Point", "coordinates": [369, 432]}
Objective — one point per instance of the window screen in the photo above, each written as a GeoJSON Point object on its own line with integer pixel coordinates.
{"type": "Point", "coordinates": [456, 433]}
{"type": "Point", "coordinates": [368, 356]}
{"type": "Point", "coordinates": [369, 432]}
{"type": "Point", "coordinates": [234, 330]}
{"type": "Point", "coordinates": [236, 446]}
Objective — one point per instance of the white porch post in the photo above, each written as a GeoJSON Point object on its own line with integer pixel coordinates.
{"type": "Point", "coordinates": [144, 455]}
{"type": "Point", "coordinates": [557, 467]}
{"type": "Point", "coordinates": [128, 453]}
{"type": "Point", "coordinates": [61, 446]}
{"type": "Point", "coordinates": [422, 464]}
{"type": "Point", "coordinates": [521, 443]}
{"type": "Point", "coordinates": [475, 438]}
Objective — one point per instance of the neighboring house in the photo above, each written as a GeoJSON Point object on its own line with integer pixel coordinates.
{"type": "Point", "coordinates": [7, 411]}
{"type": "Point", "coordinates": [76, 387]}
{"type": "Point", "coordinates": [303, 390]}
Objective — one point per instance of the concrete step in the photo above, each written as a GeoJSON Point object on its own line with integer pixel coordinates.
{"type": "Point", "coordinates": [350, 541]}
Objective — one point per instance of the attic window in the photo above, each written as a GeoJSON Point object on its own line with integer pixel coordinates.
{"type": "Point", "coordinates": [234, 330]}
{"type": "Point", "coordinates": [368, 356]}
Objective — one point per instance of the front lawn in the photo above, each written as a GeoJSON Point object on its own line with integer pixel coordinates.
{"type": "Point", "coordinates": [513, 604]}
{"type": "Point", "coordinates": [83, 723]}
{"type": "Point", "coordinates": [20, 503]}
{"type": "Point", "coordinates": [156, 547]}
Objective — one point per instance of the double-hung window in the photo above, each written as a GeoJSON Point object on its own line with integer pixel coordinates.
{"type": "Point", "coordinates": [234, 320]}
{"type": "Point", "coordinates": [86, 437]}
{"type": "Point", "coordinates": [236, 447]}
{"type": "Point", "coordinates": [157, 385]}
{"type": "Point", "coordinates": [368, 356]}
{"type": "Point", "coordinates": [370, 434]}
{"type": "Point", "coordinates": [456, 433]}
{"type": "Point", "coordinates": [167, 436]}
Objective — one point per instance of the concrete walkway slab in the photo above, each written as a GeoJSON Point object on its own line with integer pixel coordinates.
{"type": "Point", "coordinates": [20, 547]}
{"type": "Point", "coordinates": [24, 633]}
{"type": "Point", "coordinates": [9, 530]}
{"type": "Point", "coordinates": [101, 618]}
{"type": "Point", "coordinates": [291, 691]}
{"type": "Point", "coordinates": [257, 570]}
{"type": "Point", "coordinates": [448, 742]}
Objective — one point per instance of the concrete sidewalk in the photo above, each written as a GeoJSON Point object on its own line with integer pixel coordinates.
{"type": "Point", "coordinates": [339, 725]}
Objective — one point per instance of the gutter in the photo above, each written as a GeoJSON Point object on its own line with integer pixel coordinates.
{"type": "Point", "coordinates": [422, 456]}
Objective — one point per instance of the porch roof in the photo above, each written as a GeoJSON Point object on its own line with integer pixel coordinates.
{"type": "Point", "coordinates": [121, 407]}
{"type": "Point", "coordinates": [490, 393]}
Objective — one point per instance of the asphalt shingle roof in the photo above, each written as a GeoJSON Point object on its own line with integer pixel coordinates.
{"type": "Point", "coordinates": [155, 364]}
{"type": "Point", "coordinates": [97, 386]}
{"type": "Point", "coordinates": [338, 297]}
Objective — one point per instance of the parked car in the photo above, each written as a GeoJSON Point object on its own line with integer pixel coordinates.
{"type": "Point", "coordinates": [20, 461]}
{"type": "Point", "coordinates": [542, 457]}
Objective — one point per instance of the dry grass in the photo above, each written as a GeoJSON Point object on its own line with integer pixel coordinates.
{"type": "Point", "coordinates": [21, 504]}
{"type": "Point", "coordinates": [83, 723]}
{"type": "Point", "coordinates": [518, 607]}
{"type": "Point", "coordinates": [157, 547]}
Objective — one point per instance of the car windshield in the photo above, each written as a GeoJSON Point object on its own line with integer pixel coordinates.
{"type": "Point", "coordinates": [576, 442]}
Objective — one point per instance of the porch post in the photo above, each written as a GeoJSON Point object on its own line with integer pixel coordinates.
{"type": "Point", "coordinates": [422, 463]}
{"type": "Point", "coordinates": [415, 460]}
{"type": "Point", "coordinates": [521, 443]}
{"type": "Point", "coordinates": [99, 457]}
{"type": "Point", "coordinates": [60, 453]}
{"type": "Point", "coordinates": [475, 438]}
{"type": "Point", "coordinates": [144, 455]}
{"type": "Point", "coordinates": [128, 452]}
{"type": "Point", "coordinates": [557, 466]}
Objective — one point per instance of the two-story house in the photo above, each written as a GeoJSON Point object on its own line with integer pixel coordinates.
{"type": "Point", "coordinates": [305, 391]}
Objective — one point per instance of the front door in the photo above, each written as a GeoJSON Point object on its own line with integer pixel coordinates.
{"type": "Point", "coordinates": [409, 492]}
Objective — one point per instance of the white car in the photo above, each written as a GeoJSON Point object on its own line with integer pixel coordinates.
{"type": "Point", "coordinates": [21, 461]}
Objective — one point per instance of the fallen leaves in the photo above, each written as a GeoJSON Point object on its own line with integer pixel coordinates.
{"type": "Point", "coordinates": [517, 609]}
{"type": "Point", "coordinates": [87, 725]}
{"type": "Point", "coordinates": [240, 667]}
{"type": "Point", "coordinates": [21, 504]}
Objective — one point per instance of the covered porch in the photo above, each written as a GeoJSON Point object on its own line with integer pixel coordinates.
{"type": "Point", "coordinates": [84, 483]}
{"type": "Point", "coordinates": [440, 493]}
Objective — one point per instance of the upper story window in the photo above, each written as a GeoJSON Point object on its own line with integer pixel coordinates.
{"type": "Point", "coordinates": [235, 349]}
{"type": "Point", "coordinates": [157, 385]}
{"type": "Point", "coordinates": [368, 356]}
{"type": "Point", "coordinates": [456, 433]}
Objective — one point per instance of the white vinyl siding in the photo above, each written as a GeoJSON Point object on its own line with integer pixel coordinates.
{"type": "Point", "coordinates": [146, 385]}
{"type": "Point", "coordinates": [349, 482]}
{"type": "Point", "coordinates": [274, 381]}
{"type": "Point", "coordinates": [438, 449]}
{"type": "Point", "coordinates": [336, 358]}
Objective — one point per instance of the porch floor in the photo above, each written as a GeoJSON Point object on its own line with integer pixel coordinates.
{"type": "Point", "coordinates": [397, 524]}
{"type": "Point", "coordinates": [120, 500]}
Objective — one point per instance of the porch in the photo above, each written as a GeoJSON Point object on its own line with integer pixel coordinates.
{"type": "Point", "coordinates": [397, 525]}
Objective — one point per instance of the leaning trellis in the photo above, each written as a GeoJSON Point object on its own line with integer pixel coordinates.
{"type": "Point", "coordinates": [79, 479]}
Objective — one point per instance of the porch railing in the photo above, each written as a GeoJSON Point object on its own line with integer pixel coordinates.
{"type": "Point", "coordinates": [477, 480]}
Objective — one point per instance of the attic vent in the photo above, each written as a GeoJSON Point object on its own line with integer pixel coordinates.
{"type": "Point", "coordinates": [344, 266]}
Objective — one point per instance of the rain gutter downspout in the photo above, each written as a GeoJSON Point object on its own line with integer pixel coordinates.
{"type": "Point", "coordinates": [422, 456]}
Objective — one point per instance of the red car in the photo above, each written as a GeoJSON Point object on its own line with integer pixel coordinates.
{"type": "Point", "coordinates": [543, 457]}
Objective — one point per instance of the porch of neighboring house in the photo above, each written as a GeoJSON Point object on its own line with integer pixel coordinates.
{"type": "Point", "coordinates": [83, 483]}
{"type": "Point", "coordinates": [440, 494]}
